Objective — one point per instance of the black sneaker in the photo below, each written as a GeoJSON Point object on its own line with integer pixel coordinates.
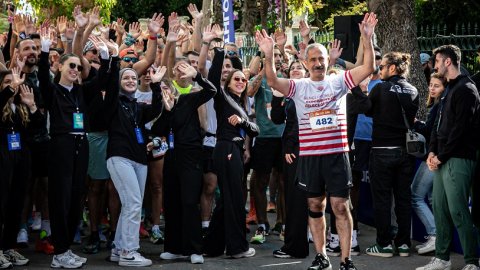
{"type": "Point", "coordinates": [355, 251]}
{"type": "Point", "coordinates": [281, 254]}
{"type": "Point", "coordinates": [321, 262]}
{"type": "Point", "coordinates": [347, 265]}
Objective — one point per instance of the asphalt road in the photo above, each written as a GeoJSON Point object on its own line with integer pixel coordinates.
{"type": "Point", "coordinates": [262, 260]}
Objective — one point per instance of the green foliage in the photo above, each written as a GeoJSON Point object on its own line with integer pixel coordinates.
{"type": "Point", "coordinates": [297, 7]}
{"type": "Point", "coordinates": [356, 8]}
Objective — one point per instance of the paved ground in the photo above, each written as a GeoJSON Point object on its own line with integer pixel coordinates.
{"type": "Point", "coordinates": [262, 260]}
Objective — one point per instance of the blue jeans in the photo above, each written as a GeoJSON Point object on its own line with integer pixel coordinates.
{"type": "Point", "coordinates": [129, 178]}
{"type": "Point", "coordinates": [422, 186]}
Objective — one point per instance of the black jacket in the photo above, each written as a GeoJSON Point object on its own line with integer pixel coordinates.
{"type": "Point", "coordinates": [183, 118]}
{"type": "Point", "coordinates": [382, 104]}
{"type": "Point", "coordinates": [285, 112]}
{"type": "Point", "coordinates": [456, 132]}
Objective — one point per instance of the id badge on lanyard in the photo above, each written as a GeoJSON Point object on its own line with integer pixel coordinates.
{"type": "Point", "coordinates": [138, 133]}
{"type": "Point", "coordinates": [14, 142]}
{"type": "Point", "coordinates": [78, 121]}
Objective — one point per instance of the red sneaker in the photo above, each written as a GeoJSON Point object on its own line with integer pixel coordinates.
{"type": "Point", "coordinates": [44, 245]}
{"type": "Point", "coordinates": [143, 233]}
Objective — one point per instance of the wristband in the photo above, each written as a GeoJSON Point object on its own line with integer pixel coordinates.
{"type": "Point", "coordinates": [205, 43]}
{"type": "Point", "coordinates": [22, 35]}
{"type": "Point", "coordinates": [129, 41]}
{"type": "Point", "coordinates": [259, 54]}
{"type": "Point", "coordinates": [152, 37]}
{"type": "Point", "coordinates": [63, 38]}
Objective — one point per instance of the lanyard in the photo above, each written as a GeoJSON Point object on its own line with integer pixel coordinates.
{"type": "Point", "coordinates": [132, 115]}
{"type": "Point", "coordinates": [441, 105]}
{"type": "Point", "coordinates": [73, 101]}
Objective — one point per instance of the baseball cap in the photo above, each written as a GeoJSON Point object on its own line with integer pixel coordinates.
{"type": "Point", "coordinates": [424, 58]}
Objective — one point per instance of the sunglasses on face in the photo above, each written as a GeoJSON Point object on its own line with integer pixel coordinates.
{"type": "Point", "coordinates": [130, 59]}
{"type": "Point", "coordinates": [238, 79]}
{"type": "Point", "coordinates": [73, 66]}
{"type": "Point", "coordinates": [380, 67]}
{"type": "Point", "coordinates": [94, 51]}
{"type": "Point", "coordinates": [378, 58]}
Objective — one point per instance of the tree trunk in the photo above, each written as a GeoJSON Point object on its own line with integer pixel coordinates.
{"type": "Point", "coordinates": [207, 11]}
{"type": "Point", "coordinates": [263, 13]}
{"type": "Point", "coordinates": [218, 12]}
{"type": "Point", "coordinates": [397, 31]}
{"type": "Point", "coordinates": [249, 16]}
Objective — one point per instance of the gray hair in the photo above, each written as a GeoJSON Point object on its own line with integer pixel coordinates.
{"type": "Point", "coordinates": [318, 46]}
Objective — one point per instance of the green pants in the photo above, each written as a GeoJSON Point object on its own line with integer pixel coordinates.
{"type": "Point", "coordinates": [451, 189]}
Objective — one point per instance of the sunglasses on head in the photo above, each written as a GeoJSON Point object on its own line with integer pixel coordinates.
{"type": "Point", "coordinates": [238, 79]}
{"type": "Point", "coordinates": [73, 66]}
{"type": "Point", "coordinates": [130, 59]}
{"type": "Point", "coordinates": [231, 53]}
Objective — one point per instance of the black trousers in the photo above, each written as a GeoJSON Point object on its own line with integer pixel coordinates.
{"type": "Point", "coordinates": [15, 172]}
{"type": "Point", "coordinates": [182, 187]}
{"type": "Point", "coordinates": [227, 230]}
{"type": "Point", "coordinates": [391, 173]}
{"type": "Point", "coordinates": [67, 171]}
{"type": "Point", "coordinates": [296, 223]}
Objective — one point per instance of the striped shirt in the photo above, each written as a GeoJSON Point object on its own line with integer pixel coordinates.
{"type": "Point", "coordinates": [316, 98]}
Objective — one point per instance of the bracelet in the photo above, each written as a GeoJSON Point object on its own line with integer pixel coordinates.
{"type": "Point", "coordinates": [152, 37]}
{"type": "Point", "coordinates": [205, 43]}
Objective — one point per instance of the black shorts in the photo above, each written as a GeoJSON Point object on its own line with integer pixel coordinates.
{"type": "Point", "coordinates": [361, 155]}
{"type": "Point", "coordinates": [267, 154]}
{"type": "Point", "coordinates": [39, 152]}
{"type": "Point", "coordinates": [208, 159]}
{"type": "Point", "coordinates": [325, 174]}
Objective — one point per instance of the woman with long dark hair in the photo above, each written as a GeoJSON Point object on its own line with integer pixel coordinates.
{"type": "Point", "coordinates": [227, 231]}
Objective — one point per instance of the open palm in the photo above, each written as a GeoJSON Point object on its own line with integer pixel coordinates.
{"type": "Point", "coordinates": [264, 41]}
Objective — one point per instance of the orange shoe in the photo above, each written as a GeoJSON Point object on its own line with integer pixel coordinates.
{"type": "Point", "coordinates": [271, 207]}
{"type": "Point", "coordinates": [251, 218]}
{"type": "Point", "coordinates": [45, 246]}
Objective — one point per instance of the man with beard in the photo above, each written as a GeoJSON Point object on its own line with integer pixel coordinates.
{"type": "Point", "coordinates": [27, 50]}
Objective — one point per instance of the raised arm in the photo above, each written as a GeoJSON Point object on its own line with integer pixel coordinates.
{"type": "Point", "coordinates": [197, 31]}
{"type": "Point", "coordinates": [367, 28]}
{"type": "Point", "coordinates": [207, 37]}
{"type": "Point", "coordinates": [81, 20]}
{"type": "Point", "coordinates": [153, 28]}
{"type": "Point", "coordinates": [266, 44]}
{"type": "Point", "coordinates": [46, 86]}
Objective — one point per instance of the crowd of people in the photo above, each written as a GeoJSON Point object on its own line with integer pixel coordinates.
{"type": "Point", "coordinates": [117, 121]}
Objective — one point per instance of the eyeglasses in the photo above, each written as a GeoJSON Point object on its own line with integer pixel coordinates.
{"type": "Point", "coordinates": [238, 79]}
{"type": "Point", "coordinates": [73, 66]}
{"type": "Point", "coordinates": [380, 67]}
{"type": "Point", "coordinates": [94, 51]}
{"type": "Point", "coordinates": [130, 59]}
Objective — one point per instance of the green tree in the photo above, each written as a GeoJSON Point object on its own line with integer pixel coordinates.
{"type": "Point", "coordinates": [47, 9]}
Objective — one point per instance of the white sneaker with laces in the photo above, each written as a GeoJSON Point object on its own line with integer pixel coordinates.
{"type": "Point", "coordinates": [115, 255]}
{"type": "Point", "coordinates": [64, 260]}
{"type": "Point", "coordinates": [171, 256]}
{"type": "Point", "coordinates": [77, 258]}
{"type": "Point", "coordinates": [4, 262]}
{"type": "Point", "coordinates": [196, 259]}
{"type": "Point", "coordinates": [428, 246]}
{"type": "Point", "coordinates": [436, 264]}
{"type": "Point", "coordinates": [22, 237]}
{"type": "Point", "coordinates": [15, 258]}
{"type": "Point", "coordinates": [37, 222]}
{"type": "Point", "coordinates": [133, 258]}
{"type": "Point", "coordinates": [249, 253]}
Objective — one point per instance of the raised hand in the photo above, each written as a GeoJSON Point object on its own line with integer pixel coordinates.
{"type": "Point", "coordinates": [335, 50]}
{"type": "Point", "coordinates": [134, 29]}
{"type": "Point", "coordinates": [168, 100]}
{"type": "Point", "coordinates": [20, 63]}
{"type": "Point", "coordinates": [94, 17]}
{"type": "Point", "coordinates": [45, 39]}
{"type": "Point", "coordinates": [111, 45]}
{"type": "Point", "coordinates": [26, 95]}
{"type": "Point", "coordinates": [16, 78]}
{"type": "Point", "coordinates": [187, 71]}
{"type": "Point", "coordinates": [280, 37]}
{"type": "Point", "coordinates": [265, 42]}
{"type": "Point", "coordinates": [120, 27]}
{"type": "Point", "coordinates": [70, 32]}
{"type": "Point", "coordinates": [291, 49]}
{"type": "Point", "coordinates": [208, 34]}
{"type": "Point", "coordinates": [155, 24]}
{"type": "Point", "coordinates": [80, 18]}
{"type": "Point", "coordinates": [45, 23]}
{"type": "Point", "coordinates": [157, 75]}
{"type": "Point", "coordinates": [367, 26]}
{"type": "Point", "coordinates": [29, 25]}
{"type": "Point", "coordinates": [304, 29]}
{"type": "Point", "coordinates": [19, 23]}
{"type": "Point", "coordinates": [173, 19]}
{"type": "Point", "coordinates": [173, 33]}
{"type": "Point", "coordinates": [98, 43]}
{"type": "Point", "coordinates": [218, 31]}
{"type": "Point", "coordinates": [192, 9]}
{"type": "Point", "coordinates": [62, 24]}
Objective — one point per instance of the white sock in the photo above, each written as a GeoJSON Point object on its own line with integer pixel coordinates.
{"type": "Point", "coordinates": [205, 224]}
{"type": "Point", "coordinates": [46, 226]}
{"type": "Point", "coordinates": [354, 238]}
{"type": "Point", "coordinates": [155, 228]}
{"type": "Point", "coordinates": [283, 227]}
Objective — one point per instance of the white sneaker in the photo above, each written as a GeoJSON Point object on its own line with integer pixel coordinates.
{"type": "Point", "coordinates": [470, 267]}
{"type": "Point", "coordinates": [133, 258]}
{"type": "Point", "coordinates": [249, 253]}
{"type": "Point", "coordinates": [428, 246]}
{"type": "Point", "coordinates": [115, 255]}
{"type": "Point", "coordinates": [64, 260]}
{"type": "Point", "coordinates": [4, 262]}
{"type": "Point", "coordinates": [171, 256]}
{"type": "Point", "coordinates": [436, 264]}
{"type": "Point", "coordinates": [37, 222]}
{"type": "Point", "coordinates": [15, 258]}
{"type": "Point", "coordinates": [22, 237]}
{"type": "Point", "coordinates": [77, 258]}
{"type": "Point", "coordinates": [196, 259]}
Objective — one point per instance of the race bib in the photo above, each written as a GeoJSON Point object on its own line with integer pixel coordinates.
{"type": "Point", "coordinates": [77, 120]}
{"type": "Point", "coordinates": [324, 119]}
{"type": "Point", "coordinates": [14, 142]}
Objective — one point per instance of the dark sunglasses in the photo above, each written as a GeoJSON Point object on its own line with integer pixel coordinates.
{"type": "Point", "coordinates": [130, 59]}
{"type": "Point", "coordinates": [380, 67]}
{"type": "Point", "coordinates": [231, 53]}
{"type": "Point", "coordinates": [238, 79]}
{"type": "Point", "coordinates": [94, 51]}
{"type": "Point", "coordinates": [378, 57]}
{"type": "Point", "coordinates": [73, 66]}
